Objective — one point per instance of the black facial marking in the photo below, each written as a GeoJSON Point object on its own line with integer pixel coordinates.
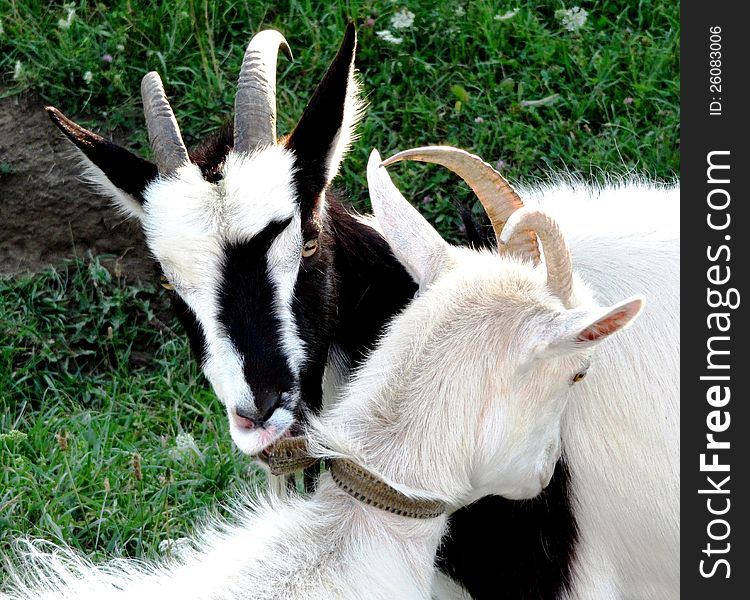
{"type": "Point", "coordinates": [247, 313]}
{"type": "Point", "coordinates": [345, 293]}
{"type": "Point", "coordinates": [193, 329]}
{"type": "Point", "coordinates": [315, 309]}
{"type": "Point", "coordinates": [125, 170]}
{"type": "Point", "coordinates": [509, 550]}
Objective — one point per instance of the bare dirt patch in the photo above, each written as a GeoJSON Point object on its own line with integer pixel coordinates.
{"type": "Point", "coordinates": [47, 213]}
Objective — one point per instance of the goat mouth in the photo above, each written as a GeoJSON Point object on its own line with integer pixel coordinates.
{"type": "Point", "coordinates": [294, 430]}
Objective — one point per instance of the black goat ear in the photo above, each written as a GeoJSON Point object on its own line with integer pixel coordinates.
{"type": "Point", "coordinates": [115, 171]}
{"type": "Point", "coordinates": [326, 128]}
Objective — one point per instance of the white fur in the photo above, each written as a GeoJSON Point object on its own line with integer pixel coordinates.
{"type": "Point", "coordinates": [125, 204]}
{"type": "Point", "coordinates": [621, 432]}
{"type": "Point", "coordinates": [454, 403]}
{"type": "Point", "coordinates": [283, 266]}
{"type": "Point", "coordinates": [354, 108]}
{"type": "Point", "coordinates": [625, 239]}
{"type": "Point", "coordinates": [627, 502]}
{"type": "Point", "coordinates": [445, 588]}
{"type": "Point", "coordinates": [331, 547]}
{"type": "Point", "coordinates": [336, 375]}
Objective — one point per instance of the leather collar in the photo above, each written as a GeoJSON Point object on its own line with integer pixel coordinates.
{"type": "Point", "coordinates": [290, 454]}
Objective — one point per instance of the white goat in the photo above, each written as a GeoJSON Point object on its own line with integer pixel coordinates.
{"type": "Point", "coordinates": [621, 433]}
{"type": "Point", "coordinates": [463, 397]}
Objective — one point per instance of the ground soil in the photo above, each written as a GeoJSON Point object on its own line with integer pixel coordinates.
{"type": "Point", "coordinates": [47, 213]}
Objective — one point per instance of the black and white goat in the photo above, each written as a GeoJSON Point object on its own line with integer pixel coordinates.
{"type": "Point", "coordinates": [463, 397]}
{"type": "Point", "coordinates": [270, 275]}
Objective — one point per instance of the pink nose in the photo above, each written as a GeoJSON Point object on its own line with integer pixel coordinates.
{"type": "Point", "coordinates": [243, 421]}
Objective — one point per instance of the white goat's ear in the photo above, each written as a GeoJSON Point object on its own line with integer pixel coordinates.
{"type": "Point", "coordinates": [579, 329]}
{"type": "Point", "coordinates": [413, 241]}
{"type": "Point", "coordinates": [617, 317]}
{"type": "Point", "coordinates": [112, 170]}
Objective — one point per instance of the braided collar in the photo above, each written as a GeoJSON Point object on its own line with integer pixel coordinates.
{"type": "Point", "coordinates": [290, 454]}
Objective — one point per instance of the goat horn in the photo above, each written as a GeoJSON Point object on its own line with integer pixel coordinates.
{"type": "Point", "coordinates": [497, 196]}
{"type": "Point", "coordinates": [255, 103]}
{"type": "Point", "coordinates": [556, 251]}
{"type": "Point", "coordinates": [164, 135]}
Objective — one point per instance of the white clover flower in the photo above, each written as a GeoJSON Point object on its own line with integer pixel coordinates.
{"type": "Point", "coordinates": [185, 446]}
{"type": "Point", "coordinates": [185, 441]}
{"type": "Point", "coordinates": [387, 36]}
{"type": "Point", "coordinates": [70, 10]}
{"type": "Point", "coordinates": [508, 15]}
{"type": "Point", "coordinates": [460, 11]}
{"type": "Point", "coordinates": [572, 18]}
{"type": "Point", "coordinates": [18, 71]}
{"type": "Point", "coordinates": [88, 76]}
{"type": "Point", "coordinates": [403, 19]}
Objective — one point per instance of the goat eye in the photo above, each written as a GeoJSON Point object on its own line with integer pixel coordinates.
{"type": "Point", "coordinates": [310, 247]}
{"type": "Point", "coordinates": [578, 376]}
{"type": "Point", "coordinates": [165, 282]}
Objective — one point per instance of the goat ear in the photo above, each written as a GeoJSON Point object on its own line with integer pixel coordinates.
{"type": "Point", "coordinates": [584, 328]}
{"type": "Point", "coordinates": [326, 128]}
{"type": "Point", "coordinates": [414, 242]}
{"type": "Point", "coordinates": [115, 171]}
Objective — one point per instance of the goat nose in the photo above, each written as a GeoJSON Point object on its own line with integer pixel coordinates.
{"type": "Point", "coordinates": [266, 402]}
{"type": "Point", "coordinates": [243, 418]}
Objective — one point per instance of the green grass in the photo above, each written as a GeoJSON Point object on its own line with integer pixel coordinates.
{"type": "Point", "coordinates": [92, 381]}
{"type": "Point", "coordinates": [90, 377]}
{"type": "Point", "coordinates": [455, 79]}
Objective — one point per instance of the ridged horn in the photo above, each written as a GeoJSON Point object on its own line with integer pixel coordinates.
{"type": "Point", "coordinates": [556, 251]}
{"type": "Point", "coordinates": [255, 103]}
{"type": "Point", "coordinates": [164, 135]}
{"type": "Point", "coordinates": [497, 196]}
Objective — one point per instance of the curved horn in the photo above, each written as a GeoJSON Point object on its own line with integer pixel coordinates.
{"type": "Point", "coordinates": [164, 135]}
{"type": "Point", "coordinates": [497, 196]}
{"type": "Point", "coordinates": [556, 250]}
{"type": "Point", "coordinates": [255, 103]}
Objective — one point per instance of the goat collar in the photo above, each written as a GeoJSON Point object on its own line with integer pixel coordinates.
{"type": "Point", "coordinates": [290, 454]}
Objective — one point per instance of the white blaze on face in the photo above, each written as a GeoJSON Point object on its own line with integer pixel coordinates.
{"type": "Point", "coordinates": [188, 222]}
{"type": "Point", "coordinates": [283, 266]}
